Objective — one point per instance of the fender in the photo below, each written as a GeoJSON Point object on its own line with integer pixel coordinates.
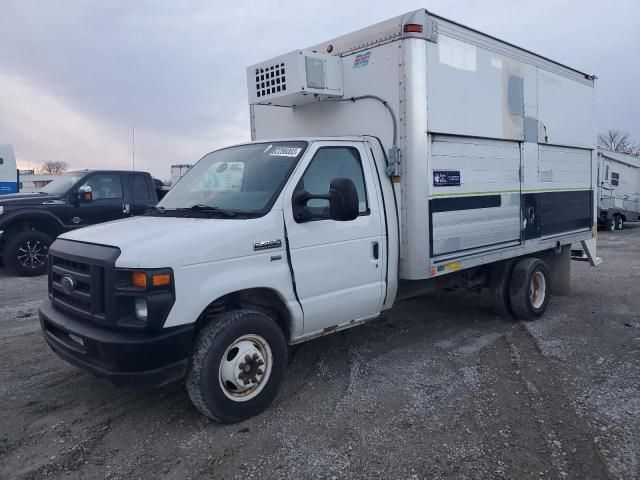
{"type": "Point", "coordinates": [31, 214]}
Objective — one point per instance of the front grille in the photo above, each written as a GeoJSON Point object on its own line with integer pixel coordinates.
{"type": "Point", "coordinates": [78, 287]}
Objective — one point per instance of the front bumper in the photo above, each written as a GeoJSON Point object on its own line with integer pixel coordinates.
{"type": "Point", "coordinates": [123, 357]}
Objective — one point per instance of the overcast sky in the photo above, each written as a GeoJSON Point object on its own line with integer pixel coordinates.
{"type": "Point", "coordinates": [76, 75]}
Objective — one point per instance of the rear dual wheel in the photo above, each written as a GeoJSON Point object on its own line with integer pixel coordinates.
{"type": "Point", "coordinates": [520, 289]}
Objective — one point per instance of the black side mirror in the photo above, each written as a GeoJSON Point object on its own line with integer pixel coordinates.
{"type": "Point", "coordinates": [343, 201]}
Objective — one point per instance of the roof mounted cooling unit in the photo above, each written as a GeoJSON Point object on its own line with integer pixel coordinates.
{"type": "Point", "coordinates": [297, 78]}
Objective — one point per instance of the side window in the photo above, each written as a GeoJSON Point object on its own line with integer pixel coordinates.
{"type": "Point", "coordinates": [139, 187]}
{"type": "Point", "coordinates": [329, 163]}
{"type": "Point", "coordinates": [615, 179]}
{"type": "Point", "coordinates": [104, 186]}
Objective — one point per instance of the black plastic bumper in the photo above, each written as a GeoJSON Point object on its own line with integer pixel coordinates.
{"type": "Point", "coordinates": [123, 357]}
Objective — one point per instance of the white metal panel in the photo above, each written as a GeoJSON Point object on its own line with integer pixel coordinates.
{"type": "Point", "coordinates": [487, 167]}
{"type": "Point", "coordinates": [473, 92]}
{"type": "Point", "coordinates": [566, 111]}
{"type": "Point", "coordinates": [564, 168]}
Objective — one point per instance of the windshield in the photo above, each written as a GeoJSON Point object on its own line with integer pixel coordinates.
{"type": "Point", "coordinates": [241, 179]}
{"type": "Point", "coordinates": [62, 184]}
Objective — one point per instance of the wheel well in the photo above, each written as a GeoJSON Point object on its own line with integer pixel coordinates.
{"type": "Point", "coordinates": [264, 300]}
{"type": "Point", "coordinates": [40, 224]}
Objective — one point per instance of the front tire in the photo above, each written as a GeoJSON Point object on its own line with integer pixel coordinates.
{"type": "Point", "coordinates": [530, 288]}
{"type": "Point", "coordinates": [237, 366]}
{"type": "Point", "coordinates": [25, 252]}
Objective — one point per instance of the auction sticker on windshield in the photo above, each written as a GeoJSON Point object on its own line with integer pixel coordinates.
{"type": "Point", "coordinates": [285, 152]}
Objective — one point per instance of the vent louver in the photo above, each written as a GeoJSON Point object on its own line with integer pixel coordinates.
{"type": "Point", "coordinates": [270, 79]}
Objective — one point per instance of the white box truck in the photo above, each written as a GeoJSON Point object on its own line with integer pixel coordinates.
{"type": "Point", "coordinates": [8, 171]}
{"type": "Point", "coordinates": [618, 189]}
{"type": "Point", "coordinates": [410, 154]}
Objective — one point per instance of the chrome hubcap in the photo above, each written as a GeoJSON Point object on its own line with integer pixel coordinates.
{"type": "Point", "coordinates": [537, 289]}
{"type": "Point", "coordinates": [32, 254]}
{"type": "Point", "coordinates": [245, 368]}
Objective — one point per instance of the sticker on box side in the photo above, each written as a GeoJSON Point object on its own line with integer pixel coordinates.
{"type": "Point", "coordinates": [446, 178]}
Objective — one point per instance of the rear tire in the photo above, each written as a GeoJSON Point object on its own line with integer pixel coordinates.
{"type": "Point", "coordinates": [499, 288]}
{"type": "Point", "coordinates": [619, 223]}
{"type": "Point", "coordinates": [25, 252]}
{"type": "Point", "coordinates": [237, 365]}
{"type": "Point", "coordinates": [530, 288]}
{"type": "Point", "coordinates": [611, 224]}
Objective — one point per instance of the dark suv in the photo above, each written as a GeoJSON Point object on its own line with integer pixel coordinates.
{"type": "Point", "coordinates": [29, 222]}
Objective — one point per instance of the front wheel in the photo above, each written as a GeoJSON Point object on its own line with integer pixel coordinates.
{"type": "Point", "coordinates": [237, 366]}
{"type": "Point", "coordinates": [25, 252]}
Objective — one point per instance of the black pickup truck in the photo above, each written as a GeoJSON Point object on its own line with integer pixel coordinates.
{"type": "Point", "coordinates": [29, 222]}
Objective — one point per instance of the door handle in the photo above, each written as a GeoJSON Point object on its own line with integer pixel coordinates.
{"type": "Point", "coordinates": [376, 250]}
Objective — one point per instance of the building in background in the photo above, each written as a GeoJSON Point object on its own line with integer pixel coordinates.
{"type": "Point", "coordinates": [177, 171]}
{"type": "Point", "coordinates": [31, 182]}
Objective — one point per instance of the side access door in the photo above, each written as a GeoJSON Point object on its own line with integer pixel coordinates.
{"type": "Point", "coordinates": [338, 266]}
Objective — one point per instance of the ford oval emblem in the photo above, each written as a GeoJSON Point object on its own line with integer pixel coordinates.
{"type": "Point", "coordinates": [68, 284]}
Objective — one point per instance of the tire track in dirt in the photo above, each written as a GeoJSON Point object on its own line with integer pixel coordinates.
{"type": "Point", "coordinates": [526, 400]}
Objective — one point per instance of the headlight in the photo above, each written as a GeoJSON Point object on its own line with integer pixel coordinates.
{"type": "Point", "coordinates": [141, 308]}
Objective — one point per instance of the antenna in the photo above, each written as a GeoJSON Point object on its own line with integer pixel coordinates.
{"type": "Point", "coordinates": [133, 148]}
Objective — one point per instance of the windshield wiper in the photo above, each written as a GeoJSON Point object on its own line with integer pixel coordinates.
{"type": "Point", "coordinates": [208, 208]}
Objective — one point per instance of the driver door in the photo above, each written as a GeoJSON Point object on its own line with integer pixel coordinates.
{"type": "Point", "coordinates": [338, 265]}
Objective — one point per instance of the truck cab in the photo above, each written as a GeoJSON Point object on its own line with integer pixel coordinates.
{"type": "Point", "coordinates": [29, 222]}
{"type": "Point", "coordinates": [271, 232]}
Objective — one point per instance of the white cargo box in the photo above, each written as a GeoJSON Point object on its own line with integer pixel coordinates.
{"type": "Point", "coordinates": [496, 144]}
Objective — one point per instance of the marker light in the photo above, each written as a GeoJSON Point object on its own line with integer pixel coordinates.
{"type": "Point", "coordinates": [139, 279]}
{"type": "Point", "coordinates": [412, 28]}
{"type": "Point", "coordinates": [161, 279]}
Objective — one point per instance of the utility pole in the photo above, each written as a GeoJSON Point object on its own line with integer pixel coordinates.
{"type": "Point", "coordinates": [133, 148]}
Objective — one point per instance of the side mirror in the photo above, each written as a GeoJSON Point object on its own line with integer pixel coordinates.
{"type": "Point", "coordinates": [84, 194]}
{"type": "Point", "coordinates": [342, 196]}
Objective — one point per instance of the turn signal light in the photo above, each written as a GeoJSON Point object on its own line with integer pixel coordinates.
{"type": "Point", "coordinates": [161, 279]}
{"type": "Point", "coordinates": [139, 279]}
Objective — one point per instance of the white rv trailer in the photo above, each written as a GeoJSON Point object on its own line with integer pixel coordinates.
{"type": "Point", "coordinates": [8, 170]}
{"type": "Point", "coordinates": [413, 153]}
{"type": "Point", "coordinates": [618, 189]}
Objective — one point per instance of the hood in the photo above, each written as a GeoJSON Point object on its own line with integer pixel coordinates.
{"type": "Point", "coordinates": [23, 199]}
{"type": "Point", "coordinates": [164, 241]}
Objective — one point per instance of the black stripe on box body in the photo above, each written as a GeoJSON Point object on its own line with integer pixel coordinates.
{"type": "Point", "coordinates": [451, 204]}
{"type": "Point", "coordinates": [557, 212]}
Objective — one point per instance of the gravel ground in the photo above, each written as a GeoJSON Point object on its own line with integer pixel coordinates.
{"type": "Point", "coordinates": [437, 388]}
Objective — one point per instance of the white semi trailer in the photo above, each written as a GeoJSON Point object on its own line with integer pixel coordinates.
{"type": "Point", "coordinates": [8, 171]}
{"type": "Point", "coordinates": [411, 154]}
{"type": "Point", "coordinates": [618, 189]}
